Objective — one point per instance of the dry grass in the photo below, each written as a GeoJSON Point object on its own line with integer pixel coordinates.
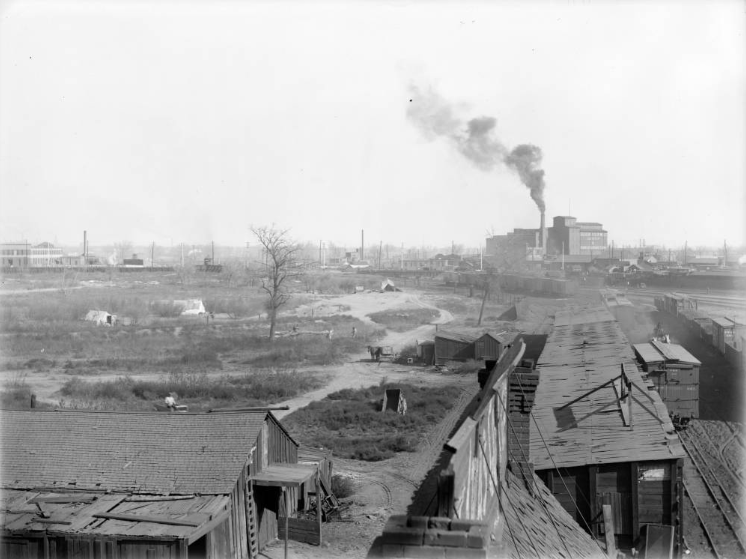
{"type": "Point", "coordinates": [350, 422]}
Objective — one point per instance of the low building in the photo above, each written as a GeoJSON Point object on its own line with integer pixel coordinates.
{"type": "Point", "coordinates": [15, 255]}
{"type": "Point", "coordinates": [45, 255]}
{"type": "Point", "coordinates": [601, 436]}
{"type": "Point", "coordinates": [103, 484]}
{"type": "Point", "coordinates": [490, 346]}
{"type": "Point", "coordinates": [453, 346]}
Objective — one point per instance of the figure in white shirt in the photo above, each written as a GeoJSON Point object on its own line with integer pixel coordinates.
{"type": "Point", "coordinates": [171, 401]}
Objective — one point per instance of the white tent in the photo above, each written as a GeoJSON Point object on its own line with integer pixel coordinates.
{"type": "Point", "coordinates": [101, 318]}
{"type": "Point", "coordinates": [191, 306]}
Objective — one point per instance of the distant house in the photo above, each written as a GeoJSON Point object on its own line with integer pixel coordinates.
{"type": "Point", "coordinates": [115, 485]}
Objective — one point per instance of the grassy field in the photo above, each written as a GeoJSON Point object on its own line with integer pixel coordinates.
{"type": "Point", "coordinates": [199, 391]}
{"type": "Point", "coordinates": [43, 331]}
{"type": "Point", "coordinates": [350, 422]}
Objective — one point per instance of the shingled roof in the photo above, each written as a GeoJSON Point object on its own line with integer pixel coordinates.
{"type": "Point", "coordinates": [157, 453]}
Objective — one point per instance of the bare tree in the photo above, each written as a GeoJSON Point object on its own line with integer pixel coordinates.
{"type": "Point", "coordinates": [123, 250]}
{"type": "Point", "coordinates": [279, 254]}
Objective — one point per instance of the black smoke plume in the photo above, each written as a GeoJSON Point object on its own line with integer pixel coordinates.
{"type": "Point", "coordinates": [476, 140]}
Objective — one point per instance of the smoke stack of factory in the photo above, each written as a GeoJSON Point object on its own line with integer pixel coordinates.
{"type": "Point", "coordinates": [543, 232]}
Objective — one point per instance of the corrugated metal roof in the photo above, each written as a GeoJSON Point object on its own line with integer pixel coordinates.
{"type": "Point", "coordinates": [577, 358]}
{"type": "Point", "coordinates": [137, 452]}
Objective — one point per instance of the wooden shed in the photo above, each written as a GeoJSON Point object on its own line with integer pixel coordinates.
{"type": "Point", "coordinates": [453, 346]}
{"type": "Point", "coordinates": [142, 485]}
{"type": "Point", "coordinates": [490, 346]}
{"type": "Point", "coordinates": [602, 435]}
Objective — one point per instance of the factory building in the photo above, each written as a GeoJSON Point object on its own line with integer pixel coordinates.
{"type": "Point", "coordinates": [567, 236]}
{"type": "Point", "coordinates": [570, 236]}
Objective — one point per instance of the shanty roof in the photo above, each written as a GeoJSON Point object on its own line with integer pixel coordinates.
{"type": "Point", "coordinates": [455, 336]}
{"type": "Point", "coordinates": [502, 337]}
{"type": "Point", "coordinates": [106, 515]}
{"type": "Point", "coordinates": [538, 526]}
{"type": "Point", "coordinates": [158, 453]}
{"type": "Point", "coordinates": [659, 352]}
{"type": "Point", "coordinates": [580, 356]}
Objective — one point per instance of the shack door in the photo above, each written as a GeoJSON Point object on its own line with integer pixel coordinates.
{"type": "Point", "coordinates": [614, 487]}
{"type": "Point", "coordinates": [267, 509]}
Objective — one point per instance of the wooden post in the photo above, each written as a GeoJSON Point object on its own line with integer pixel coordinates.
{"type": "Point", "coordinates": [287, 513]}
{"type": "Point", "coordinates": [318, 499]}
{"type": "Point", "coordinates": [609, 531]}
{"type": "Point", "coordinates": [629, 404]}
{"type": "Point", "coordinates": [593, 497]}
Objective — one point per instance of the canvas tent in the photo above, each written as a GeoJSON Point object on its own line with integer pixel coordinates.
{"type": "Point", "coordinates": [388, 285]}
{"type": "Point", "coordinates": [101, 318]}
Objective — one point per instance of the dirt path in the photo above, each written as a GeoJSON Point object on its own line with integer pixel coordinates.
{"type": "Point", "coordinates": [359, 371]}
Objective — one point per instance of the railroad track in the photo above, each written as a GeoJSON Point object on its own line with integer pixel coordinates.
{"type": "Point", "coordinates": [722, 523]}
{"type": "Point", "coordinates": [705, 432]}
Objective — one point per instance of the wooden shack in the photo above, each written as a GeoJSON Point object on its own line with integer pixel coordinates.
{"type": "Point", "coordinates": [601, 433]}
{"type": "Point", "coordinates": [675, 374]}
{"type": "Point", "coordinates": [489, 346]}
{"type": "Point", "coordinates": [142, 485]}
{"type": "Point", "coordinates": [453, 346]}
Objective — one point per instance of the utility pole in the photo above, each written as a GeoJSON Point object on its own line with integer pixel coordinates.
{"type": "Point", "coordinates": [152, 255]}
{"type": "Point", "coordinates": [725, 255]}
{"type": "Point", "coordinates": [213, 253]}
{"type": "Point", "coordinates": [380, 252]}
{"type": "Point", "coordinates": [362, 244]}
{"type": "Point", "coordinates": [685, 247]}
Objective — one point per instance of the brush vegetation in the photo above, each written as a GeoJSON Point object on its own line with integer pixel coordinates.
{"type": "Point", "coordinates": [199, 391]}
{"type": "Point", "coordinates": [351, 424]}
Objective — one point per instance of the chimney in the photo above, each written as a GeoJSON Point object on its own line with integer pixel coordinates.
{"type": "Point", "coordinates": [522, 383]}
{"type": "Point", "coordinates": [543, 232]}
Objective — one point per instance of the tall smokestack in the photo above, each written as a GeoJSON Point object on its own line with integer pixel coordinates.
{"type": "Point", "coordinates": [543, 231]}
{"type": "Point", "coordinates": [85, 244]}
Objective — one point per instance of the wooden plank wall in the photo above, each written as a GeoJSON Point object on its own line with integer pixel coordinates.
{"type": "Point", "coordinates": [238, 517]}
{"type": "Point", "coordinates": [300, 530]}
{"type": "Point", "coordinates": [635, 501]}
{"type": "Point", "coordinates": [219, 541]}
{"type": "Point", "coordinates": [281, 448]}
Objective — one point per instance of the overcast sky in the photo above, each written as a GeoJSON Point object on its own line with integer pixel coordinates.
{"type": "Point", "coordinates": [190, 121]}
